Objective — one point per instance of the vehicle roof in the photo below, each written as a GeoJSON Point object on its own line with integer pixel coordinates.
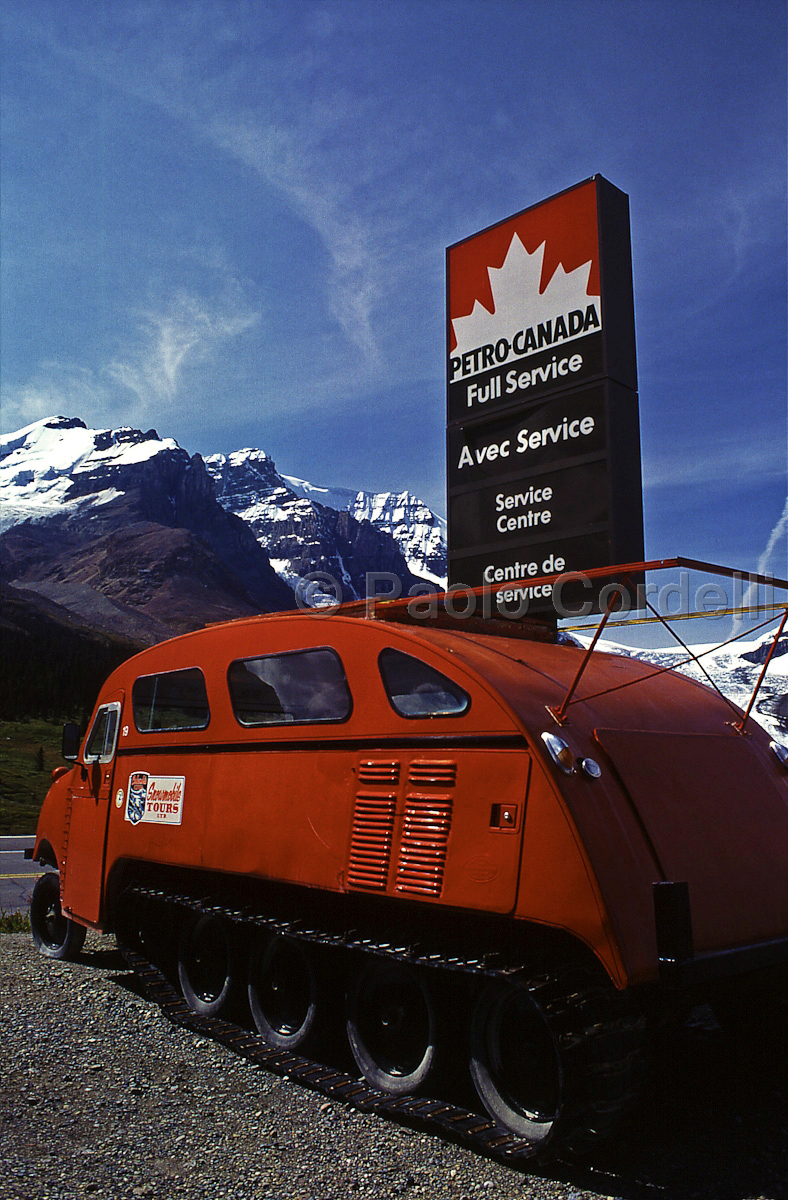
{"type": "Point", "coordinates": [532, 675]}
{"type": "Point", "coordinates": [528, 675]}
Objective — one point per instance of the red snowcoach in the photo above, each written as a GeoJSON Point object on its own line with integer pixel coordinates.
{"type": "Point", "coordinates": [448, 829]}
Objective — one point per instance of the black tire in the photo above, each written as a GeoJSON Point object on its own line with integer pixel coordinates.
{"type": "Point", "coordinates": [514, 1062]}
{"type": "Point", "coordinates": [282, 992]}
{"type": "Point", "coordinates": [206, 963]}
{"type": "Point", "coordinates": [54, 934]}
{"type": "Point", "coordinates": [557, 1060]}
{"type": "Point", "coordinates": [391, 1026]}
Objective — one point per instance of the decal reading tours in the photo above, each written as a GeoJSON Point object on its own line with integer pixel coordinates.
{"type": "Point", "coordinates": [157, 799]}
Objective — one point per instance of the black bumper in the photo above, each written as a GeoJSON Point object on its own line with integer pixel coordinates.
{"type": "Point", "coordinates": [680, 966]}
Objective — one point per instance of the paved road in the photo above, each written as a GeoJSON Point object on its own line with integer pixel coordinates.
{"type": "Point", "coordinates": [17, 875]}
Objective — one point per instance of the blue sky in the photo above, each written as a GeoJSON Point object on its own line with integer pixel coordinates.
{"type": "Point", "coordinates": [228, 221]}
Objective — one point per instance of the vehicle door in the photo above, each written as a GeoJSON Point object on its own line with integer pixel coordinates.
{"type": "Point", "coordinates": [86, 835]}
{"type": "Point", "coordinates": [441, 817]}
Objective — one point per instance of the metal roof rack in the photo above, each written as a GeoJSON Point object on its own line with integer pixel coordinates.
{"type": "Point", "coordinates": [437, 610]}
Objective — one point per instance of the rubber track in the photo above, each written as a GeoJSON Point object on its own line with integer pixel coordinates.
{"type": "Point", "coordinates": [603, 1046]}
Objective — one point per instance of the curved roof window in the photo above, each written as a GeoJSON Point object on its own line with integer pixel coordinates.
{"type": "Point", "coordinates": [417, 690]}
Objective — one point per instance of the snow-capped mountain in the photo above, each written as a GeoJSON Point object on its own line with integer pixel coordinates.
{"type": "Point", "coordinates": [132, 534]}
{"type": "Point", "coordinates": [48, 468]}
{"type": "Point", "coordinates": [123, 530]}
{"type": "Point", "coordinates": [418, 531]}
{"type": "Point", "coordinates": [305, 528]}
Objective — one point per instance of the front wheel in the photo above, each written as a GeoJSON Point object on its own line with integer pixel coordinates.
{"type": "Point", "coordinates": [54, 934]}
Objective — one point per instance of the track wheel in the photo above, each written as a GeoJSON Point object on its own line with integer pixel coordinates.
{"type": "Point", "coordinates": [514, 1062]}
{"type": "Point", "coordinates": [205, 963]}
{"type": "Point", "coordinates": [391, 1026]}
{"type": "Point", "coordinates": [54, 934]}
{"type": "Point", "coordinates": [282, 992]}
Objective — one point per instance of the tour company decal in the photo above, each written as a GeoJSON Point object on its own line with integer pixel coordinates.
{"type": "Point", "coordinates": [525, 310]}
{"type": "Point", "coordinates": [157, 799]}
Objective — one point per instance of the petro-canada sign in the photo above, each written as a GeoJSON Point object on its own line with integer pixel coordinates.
{"type": "Point", "coordinates": [543, 437]}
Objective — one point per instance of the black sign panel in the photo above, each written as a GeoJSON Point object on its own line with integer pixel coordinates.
{"type": "Point", "coordinates": [519, 380]}
{"type": "Point", "coordinates": [514, 577]}
{"type": "Point", "coordinates": [534, 438]}
{"type": "Point", "coordinates": [510, 571]}
{"type": "Point", "coordinates": [557, 504]}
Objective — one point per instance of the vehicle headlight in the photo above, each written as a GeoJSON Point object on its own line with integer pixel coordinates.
{"type": "Point", "coordinates": [780, 751]}
{"type": "Point", "coordinates": [560, 753]}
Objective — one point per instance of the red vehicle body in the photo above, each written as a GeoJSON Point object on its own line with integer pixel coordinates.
{"type": "Point", "coordinates": [642, 843]}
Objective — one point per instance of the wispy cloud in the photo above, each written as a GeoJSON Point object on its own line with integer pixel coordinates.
{"type": "Point", "coordinates": [777, 540]}
{"type": "Point", "coordinates": [289, 160]}
{"type": "Point", "coordinates": [732, 457]}
{"type": "Point", "coordinates": [188, 330]}
{"type": "Point", "coordinates": [186, 333]}
{"type": "Point", "coordinates": [778, 535]}
{"type": "Point", "coordinates": [57, 389]}
{"type": "Point", "coordinates": [304, 135]}
{"type": "Point", "coordinates": [726, 239]}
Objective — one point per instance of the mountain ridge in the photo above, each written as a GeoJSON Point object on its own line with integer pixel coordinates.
{"type": "Point", "coordinates": [303, 535]}
{"type": "Point", "coordinates": [129, 531]}
{"type": "Point", "coordinates": [118, 517]}
{"type": "Point", "coordinates": [123, 535]}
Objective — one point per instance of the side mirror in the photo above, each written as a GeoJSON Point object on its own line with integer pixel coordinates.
{"type": "Point", "coordinates": [71, 740]}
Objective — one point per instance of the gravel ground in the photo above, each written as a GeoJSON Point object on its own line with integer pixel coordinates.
{"type": "Point", "coordinates": [100, 1096]}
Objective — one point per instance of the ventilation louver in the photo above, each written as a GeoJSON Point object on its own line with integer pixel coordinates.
{"type": "Point", "coordinates": [378, 772]}
{"type": "Point", "coordinates": [370, 847]}
{"type": "Point", "coordinates": [425, 835]}
{"type": "Point", "coordinates": [440, 774]}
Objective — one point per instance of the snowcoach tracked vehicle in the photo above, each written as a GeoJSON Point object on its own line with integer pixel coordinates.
{"type": "Point", "coordinates": [408, 832]}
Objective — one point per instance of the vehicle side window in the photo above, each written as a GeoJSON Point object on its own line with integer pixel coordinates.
{"type": "Point", "coordinates": [298, 686]}
{"type": "Point", "coordinates": [171, 700]}
{"type": "Point", "coordinates": [415, 689]}
{"type": "Point", "coordinates": [101, 740]}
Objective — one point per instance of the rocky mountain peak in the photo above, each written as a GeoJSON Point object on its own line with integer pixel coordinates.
{"type": "Point", "coordinates": [99, 514]}
{"type": "Point", "coordinates": [123, 529]}
{"type": "Point", "coordinates": [338, 531]}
